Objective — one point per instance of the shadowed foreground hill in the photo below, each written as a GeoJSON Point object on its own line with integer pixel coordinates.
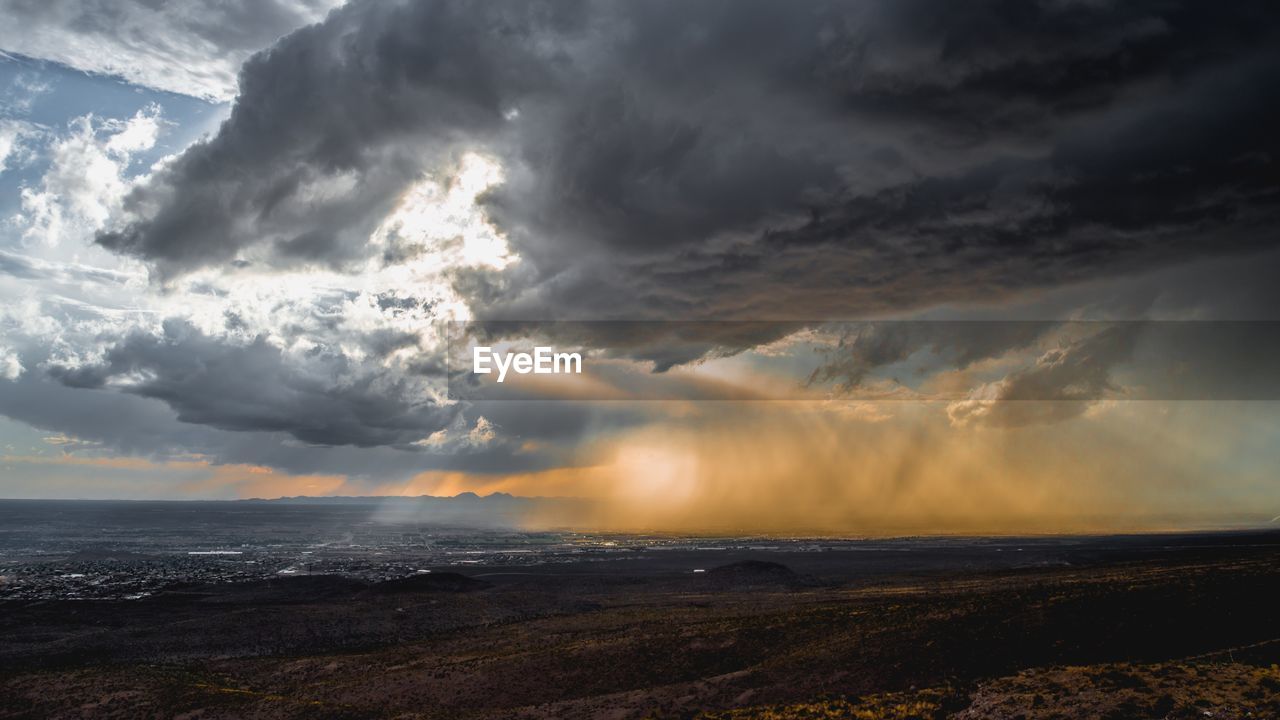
{"type": "Point", "coordinates": [1181, 633]}
{"type": "Point", "coordinates": [432, 582]}
{"type": "Point", "coordinates": [753, 574]}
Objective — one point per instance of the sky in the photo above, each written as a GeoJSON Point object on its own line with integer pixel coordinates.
{"type": "Point", "coordinates": [851, 267]}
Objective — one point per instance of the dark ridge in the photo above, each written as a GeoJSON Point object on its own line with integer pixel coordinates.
{"type": "Point", "coordinates": [753, 573]}
{"type": "Point", "coordinates": [432, 582]}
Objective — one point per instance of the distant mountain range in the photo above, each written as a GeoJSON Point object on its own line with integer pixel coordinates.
{"type": "Point", "coordinates": [497, 509]}
{"type": "Point", "coordinates": [462, 497]}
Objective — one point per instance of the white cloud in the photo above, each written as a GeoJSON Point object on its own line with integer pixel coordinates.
{"type": "Point", "coordinates": [8, 139]}
{"type": "Point", "coordinates": [10, 366]}
{"type": "Point", "coordinates": [86, 178]}
{"type": "Point", "coordinates": [23, 90]}
{"type": "Point", "coordinates": [12, 151]}
{"type": "Point", "coordinates": [384, 322]}
{"type": "Point", "coordinates": [445, 220]}
{"type": "Point", "coordinates": [184, 46]}
{"type": "Point", "coordinates": [458, 437]}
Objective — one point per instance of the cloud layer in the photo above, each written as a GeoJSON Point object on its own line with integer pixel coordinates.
{"type": "Point", "coordinates": [747, 160]}
{"type": "Point", "coordinates": [274, 294]}
{"type": "Point", "coordinates": [182, 46]}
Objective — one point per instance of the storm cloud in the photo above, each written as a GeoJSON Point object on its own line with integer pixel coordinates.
{"type": "Point", "coordinates": [748, 160]}
{"type": "Point", "coordinates": [252, 387]}
{"type": "Point", "coordinates": [694, 180]}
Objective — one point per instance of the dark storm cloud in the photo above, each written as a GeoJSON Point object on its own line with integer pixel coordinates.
{"type": "Point", "coordinates": [726, 160]}
{"type": "Point", "coordinates": [1061, 384]}
{"type": "Point", "coordinates": [663, 344]}
{"type": "Point", "coordinates": [327, 400]}
{"type": "Point", "coordinates": [751, 159]}
{"type": "Point", "coordinates": [1046, 371]}
{"type": "Point", "coordinates": [136, 425]}
{"type": "Point", "coordinates": [863, 348]}
{"type": "Point", "coordinates": [184, 393]}
{"type": "Point", "coordinates": [332, 123]}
